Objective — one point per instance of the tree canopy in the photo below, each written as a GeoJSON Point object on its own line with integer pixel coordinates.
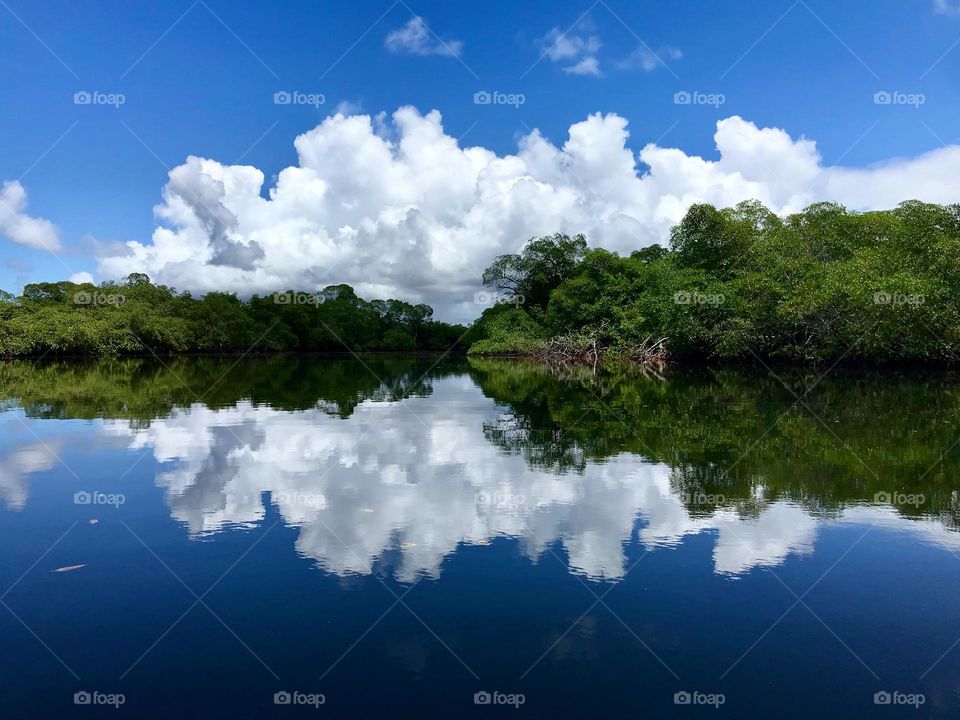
{"type": "Point", "coordinates": [743, 283]}
{"type": "Point", "coordinates": [138, 317]}
{"type": "Point", "coordinates": [532, 274]}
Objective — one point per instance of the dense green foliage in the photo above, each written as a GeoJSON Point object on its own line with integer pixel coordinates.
{"type": "Point", "coordinates": [508, 330]}
{"type": "Point", "coordinates": [742, 283]}
{"type": "Point", "coordinates": [137, 317]}
{"type": "Point", "coordinates": [532, 275]}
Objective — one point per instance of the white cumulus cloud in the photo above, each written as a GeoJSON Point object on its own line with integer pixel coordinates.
{"type": "Point", "coordinates": [19, 227]}
{"type": "Point", "coordinates": [415, 38]}
{"type": "Point", "coordinates": [588, 66]}
{"type": "Point", "coordinates": [579, 47]}
{"type": "Point", "coordinates": [396, 207]}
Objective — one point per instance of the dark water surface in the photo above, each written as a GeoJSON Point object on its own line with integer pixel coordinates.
{"type": "Point", "coordinates": [396, 535]}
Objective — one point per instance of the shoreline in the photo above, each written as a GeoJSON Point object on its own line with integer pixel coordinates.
{"type": "Point", "coordinates": [603, 358]}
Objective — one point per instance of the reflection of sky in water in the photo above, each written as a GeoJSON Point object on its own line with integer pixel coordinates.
{"type": "Point", "coordinates": [16, 465]}
{"type": "Point", "coordinates": [419, 477]}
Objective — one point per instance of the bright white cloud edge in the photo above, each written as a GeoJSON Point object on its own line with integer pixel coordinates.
{"type": "Point", "coordinates": [19, 227]}
{"type": "Point", "coordinates": [397, 208]}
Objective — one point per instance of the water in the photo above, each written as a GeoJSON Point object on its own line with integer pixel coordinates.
{"type": "Point", "coordinates": [395, 535]}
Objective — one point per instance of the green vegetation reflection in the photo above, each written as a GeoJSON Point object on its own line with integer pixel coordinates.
{"type": "Point", "coordinates": [740, 438]}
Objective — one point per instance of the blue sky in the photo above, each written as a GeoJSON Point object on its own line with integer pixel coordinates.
{"type": "Point", "coordinates": [200, 79]}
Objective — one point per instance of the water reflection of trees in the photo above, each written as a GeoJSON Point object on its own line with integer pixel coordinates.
{"type": "Point", "coordinates": [740, 435]}
{"type": "Point", "coordinates": [731, 437]}
{"type": "Point", "coordinates": [143, 389]}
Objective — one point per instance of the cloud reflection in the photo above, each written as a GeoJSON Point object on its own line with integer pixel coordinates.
{"type": "Point", "coordinates": [419, 478]}
{"type": "Point", "coordinates": [404, 483]}
{"type": "Point", "coordinates": [19, 463]}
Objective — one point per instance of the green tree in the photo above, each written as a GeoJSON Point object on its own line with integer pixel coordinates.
{"type": "Point", "coordinates": [540, 267]}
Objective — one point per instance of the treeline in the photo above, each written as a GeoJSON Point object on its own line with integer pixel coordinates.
{"type": "Point", "coordinates": [823, 284]}
{"type": "Point", "coordinates": [138, 317]}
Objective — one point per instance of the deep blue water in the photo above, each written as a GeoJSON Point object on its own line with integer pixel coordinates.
{"type": "Point", "coordinates": [421, 542]}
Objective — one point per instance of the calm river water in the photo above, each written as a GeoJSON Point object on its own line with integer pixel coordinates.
{"type": "Point", "coordinates": [414, 537]}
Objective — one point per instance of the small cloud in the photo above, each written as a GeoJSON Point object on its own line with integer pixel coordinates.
{"type": "Point", "coordinates": [81, 277]}
{"type": "Point", "coordinates": [579, 47]}
{"type": "Point", "coordinates": [415, 38]}
{"type": "Point", "coordinates": [560, 46]}
{"type": "Point", "coordinates": [946, 7]}
{"type": "Point", "coordinates": [346, 107]}
{"type": "Point", "coordinates": [588, 66]}
{"type": "Point", "coordinates": [643, 58]}
{"type": "Point", "coordinates": [19, 227]}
